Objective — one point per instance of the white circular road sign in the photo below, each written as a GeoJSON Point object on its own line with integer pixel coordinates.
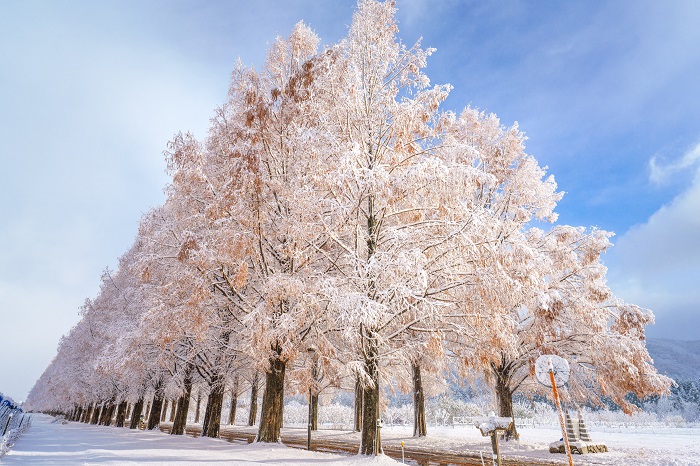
{"type": "Point", "coordinates": [551, 363]}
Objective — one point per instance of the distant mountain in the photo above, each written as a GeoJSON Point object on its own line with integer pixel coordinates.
{"type": "Point", "coordinates": [676, 358]}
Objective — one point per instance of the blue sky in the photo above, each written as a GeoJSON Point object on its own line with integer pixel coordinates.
{"type": "Point", "coordinates": [90, 92]}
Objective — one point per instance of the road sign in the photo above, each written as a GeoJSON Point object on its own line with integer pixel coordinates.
{"type": "Point", "coordinates": [556, 364]}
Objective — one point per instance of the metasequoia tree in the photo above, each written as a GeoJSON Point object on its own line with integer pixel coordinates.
{"type": "Point", "coordinates": [381, 151]}
{"type": "Point", "coordinates": [67, 379]}
{"type": "Point", "coordinates": [196, 266]}
{"type": "Point", "coordinates": [185, 326]}
{"type": "Point", "coordinates": [568, 310]}
{"type": "Point", "coordinates": [120, 309]}
{"type": "Point", "coordinates": [418, 206]}
{"type": "Point", "coordinates": [421, 375]}
{"type": "Point", "coordinates": [504, 189]}
{"type": "Point", "coordinates": [425, 368]}
{"type": "Point", "coordinates": [266, 233]}
{"type": "Point", "coordinates": [150, 353]}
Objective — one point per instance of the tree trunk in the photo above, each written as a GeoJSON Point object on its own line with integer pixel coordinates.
{"type": "Point", "coordinates": [419, 427]}
{"type": "Point", "coordinates": [129, 406]}
{"type": "Point", "coordinates": [371, 435]}
{"type": "Point", "coordinates": [314, 411]}
{"type": "Point", "coordinates": [107, 414]}
{"type": "Point", "coordinates": [173, 408]}
{"type": "Point", "coordinates": [87, 414]}
{"type": "Point", "coordinates": [121, 414]}
{"type": "Point", "coordinates": [371, 443]}
{"type": "Point", "coordinates": [207, 414]}
{"type": "Point", "coordinates": [254, 387]}
{"type": "Point", "coordinates": [95, 415]}
{"type": "Point", "coordinates": [183, 407]}
{"type": "Point", "coordinates": [165, 410]}
{"type": "Point", "coordinates": [199, 405]}
{"type": "Point", "coordinates": [357, 426]}
{"type": "Point", "coordinates": [102, 421]}
{"type": "Point", "coordinates": [271, 416]}
{"type": "Point", "coordinates": [234, 402]}
{"type": "Point", "coordinates": [154, 417]}
{"type": "Point", "coordinates": [110, 413]}
{"type": "Point", "coordinates": [504, 395]}
{"type": "Point", "coordinates": [212, 418]}
{"type": "Point", "coordinates": [147, 413]}
{"type": "Point", "coordinates": [105, 417]}
{"type": "Point", "coordinates": [136, 414]}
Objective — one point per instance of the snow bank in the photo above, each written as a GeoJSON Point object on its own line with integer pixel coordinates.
{"type": "Point", "coordinates": [644, 446]}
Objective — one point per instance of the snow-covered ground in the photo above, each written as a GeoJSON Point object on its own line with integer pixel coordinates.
{"type": "Point", "coordinates": [657, 446]}
{"type": "Point", "coordinates": [52, 443]}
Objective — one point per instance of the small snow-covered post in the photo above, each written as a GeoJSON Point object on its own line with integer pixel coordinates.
{"type": "Point", "coordinates": [312, 353]}
{"type": "Point", "coordinates": [495, 447]}
{"type": "Point", "coordinates": [308, 427]}
{"type": "Point", "coordinates": [492, 426]}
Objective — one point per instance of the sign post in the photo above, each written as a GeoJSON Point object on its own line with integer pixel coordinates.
{"type": "Point", "coordinates": [550, 371]}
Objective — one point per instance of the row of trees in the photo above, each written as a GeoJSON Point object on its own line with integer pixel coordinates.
{"type": "Point", "coordinates": [335, 206]}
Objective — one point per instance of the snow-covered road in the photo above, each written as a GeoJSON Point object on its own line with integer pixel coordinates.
{"type": "Point", "coordinates": [52, 443]}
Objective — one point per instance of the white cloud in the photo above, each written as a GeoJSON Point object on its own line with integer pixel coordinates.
{"type": "Point", "coordinates": [657, 264]}
{"type": "Point", "coordinates": [660, 173]}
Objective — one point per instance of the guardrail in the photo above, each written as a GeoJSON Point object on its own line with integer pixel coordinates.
{"type": "Point", "coordinates": [13, 423]}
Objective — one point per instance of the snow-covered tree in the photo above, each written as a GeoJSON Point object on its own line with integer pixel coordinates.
{"type": "Point", "coordinates": [266, 234]}
{"type": "Point", "coordinates": [566, 308]}
{"type": "Point", "coordinates": [334, 205]}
